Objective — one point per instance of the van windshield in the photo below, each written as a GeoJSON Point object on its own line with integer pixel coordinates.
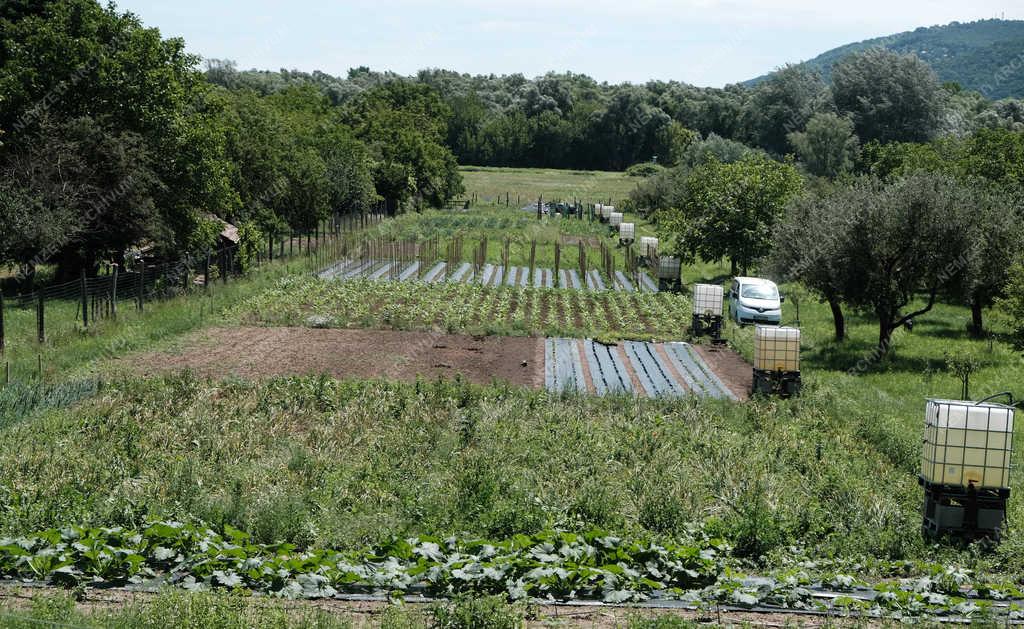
{"type": "Point", "coordinates": [759, 291]}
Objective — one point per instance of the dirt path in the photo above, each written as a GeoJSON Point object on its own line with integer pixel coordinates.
{"type": "Point", "coordinates": [731, 369]}
{"type": "Point", "coordinates": [254, 352]}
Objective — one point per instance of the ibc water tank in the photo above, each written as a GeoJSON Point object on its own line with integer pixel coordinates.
{"type": "Point", "coordinates": [776, 349]}
{"type": "Point", "coordinates": [707, 299]}
{"type": "Point", "coordinates": [626, 232]}
{"type": "Point", "coordinates": [615, 219]}
{"type": "Point", "coordinates": [967, 443]}
{"type": "Point", "coordinates": [648, 246]}
{"type": "Point", "coordinates": [668, 268]}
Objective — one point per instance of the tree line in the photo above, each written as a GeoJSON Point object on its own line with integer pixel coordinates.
{"type": "Point", "coordinates": [111, 137]}
{"type": "Point", "coordinates": [570, 120]}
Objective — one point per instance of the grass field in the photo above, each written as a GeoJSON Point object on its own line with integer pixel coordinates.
{"type": "Point", "coordinates": [527, 184]}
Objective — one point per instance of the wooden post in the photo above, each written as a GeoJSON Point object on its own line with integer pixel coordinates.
{"type": "Point", "coordinates": [533, 257]}
{"type": "Point", "coordinates": [113, 293]}
{"type": "Point", "coordinates": [85, 299]}
{"type": "Point", "coordinates": [558, 262]}
{"type": "Point", "coordinates": [41, 318]}
{"type": "Point", "coordinates": [142, 285]}
{"type": "Point", "coordinates": [270, 247]}
{"type": "Point", "coordinates": [3, 342]}
{"type": "Point", "coordinates": [539, 206]}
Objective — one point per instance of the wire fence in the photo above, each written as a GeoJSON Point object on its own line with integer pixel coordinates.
{"type": "Point", "coordinates": [93, 298]}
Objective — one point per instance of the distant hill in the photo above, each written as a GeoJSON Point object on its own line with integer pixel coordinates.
{"type": "Point", "coordinates": [986, 56]}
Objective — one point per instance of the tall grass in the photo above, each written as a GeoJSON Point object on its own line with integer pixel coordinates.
{"type": "Point", "coordinates": [344, 464]}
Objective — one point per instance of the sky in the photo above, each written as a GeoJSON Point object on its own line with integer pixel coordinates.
{"type": "Point", "coordinates": [702, 42]}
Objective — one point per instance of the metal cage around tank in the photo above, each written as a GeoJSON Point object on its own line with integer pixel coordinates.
{"type": "Point", "coordinates": [965, 468]}
{"type": "Point", "coordinates": [776, 361]}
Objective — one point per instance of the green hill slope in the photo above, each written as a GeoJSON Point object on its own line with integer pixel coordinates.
{"type": "Point", "coordinates": [987, 55]}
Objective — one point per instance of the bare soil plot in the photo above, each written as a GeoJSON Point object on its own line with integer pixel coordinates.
{"type": "Point", "coordinates": [254, 352]}
{"type": "Point", "coordinates": [644, 369]}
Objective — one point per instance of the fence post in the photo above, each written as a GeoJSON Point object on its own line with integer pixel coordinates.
{"type": "Point", "coordinates": [40, 318]}
{"type": "Point", "coordinates": [142, 285]}
{"type": "Point", "coordinates": [270, 247]}
{"type": "Point", "coordinates": [539, 205]}
{"type": "Point", "coordinates": [224, 266]}
{"type": "Point", "coordinates": [3, 342]}
{"type": "Point", "coordinates": [85, 299]}
{"type": "Point", "coordinates": [113, 293]}
{"type": "Point", "coordinates": [558, 264]}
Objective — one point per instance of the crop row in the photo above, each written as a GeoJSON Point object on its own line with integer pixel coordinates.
{"type": "Point", "coordinates": [470, 308]}
{"type": "Point", "coordinates": [550, 565]}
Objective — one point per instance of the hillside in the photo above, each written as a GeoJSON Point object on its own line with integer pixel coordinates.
{"type": "Point", "coordinates": [987, 55]}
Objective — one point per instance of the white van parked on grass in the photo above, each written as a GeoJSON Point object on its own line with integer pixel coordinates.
{"type": "Point", "coordinates": [755, 300]}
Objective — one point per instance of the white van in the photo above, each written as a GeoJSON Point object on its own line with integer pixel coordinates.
{"type": "Point", "coordinates": [755, 300]}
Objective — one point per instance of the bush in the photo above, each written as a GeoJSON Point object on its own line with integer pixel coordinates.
{"type": "Point", "coordinates": [644, 169]}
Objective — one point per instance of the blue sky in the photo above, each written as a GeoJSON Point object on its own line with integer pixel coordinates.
{"type": "Point", "coordinates": [704, 42]}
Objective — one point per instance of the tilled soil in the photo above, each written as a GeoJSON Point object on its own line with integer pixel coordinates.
{"type": "Point", "coordinates": [731, 369]}
{"type": "Point", "coordinates": [255, 352]}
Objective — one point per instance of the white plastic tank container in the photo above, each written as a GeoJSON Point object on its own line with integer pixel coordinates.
{"type": "Point", "coordinates": [668, 268]}
{"type": "Point", "coordinates": [606, 211]}
{"type": "Point", "coordinates": [626, 231]}
{"type": "Point", "coordinates": [967, 443]}
{"type": "Point", "coordinates": [776, 349]}
{"type": "Point", "coordinates": [648, 246]}
{"type": "Point", "coordinates": [707, 299]}
{"type": "Point", "coordinates": [615, 219]}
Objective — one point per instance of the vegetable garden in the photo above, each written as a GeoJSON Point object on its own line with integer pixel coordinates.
{"type": "Point", "coordinates": [468, 308]}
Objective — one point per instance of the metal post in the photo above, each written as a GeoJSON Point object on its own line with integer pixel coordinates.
{"type": "Point", "coordinates": [40, 318]}
{"type": "Point", "coordinates": [206, 272]}
{"type": "Point", "coordinates": [3, 342]}
{"type": "Point", "coordinates": [113, 293]}
{"type": "Point", "coordinates": [142, 285]}
{"type": "Point", "coordinates": [85, 300]}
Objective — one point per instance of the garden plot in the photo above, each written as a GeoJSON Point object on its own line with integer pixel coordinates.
{"type": "Point", "coordinates": [641, 368]}
{"type": "Point", "coordinates": [489, 275]}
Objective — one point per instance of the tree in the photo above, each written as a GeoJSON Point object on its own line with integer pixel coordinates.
{"type": "Point", "coordinates": [781, 104]}
{"type": "Point", "coordinates": [404, 125]}
{"type": "Point", "coordinates": [889, 96]}
{"type": "Point", "coordinates": [828, 146]}
{"type": "Point", "coordinates": [810, 248]}
{"type": "Point", "coordinates": [1012, 302]}
{"type": "Point", "coordinates": [902, 240]}
{"type": "Point", "coordinates": [730, 210]}
{"type": "Point", "coordinates": [130, 103]}
{"type": "Point", "coordinates": [994, 233]}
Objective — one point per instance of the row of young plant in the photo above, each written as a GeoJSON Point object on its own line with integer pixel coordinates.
{"type": "Point", "coordinates": [468, 307]}
{"type": "Point", "coordinates": [550, 565]}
